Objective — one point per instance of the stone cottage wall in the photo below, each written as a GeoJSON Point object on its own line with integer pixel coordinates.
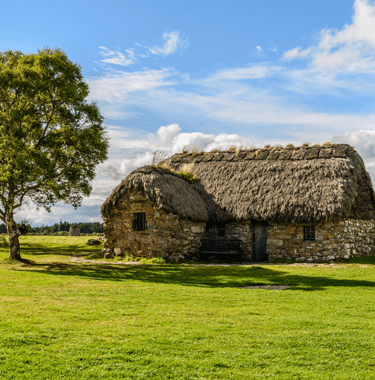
{"type": "Point", "coordinates": [335, 240]}
{"type": "Point", "coordinates": [167, 235]}
{"type": "Point", "coordinates": [240, 230]}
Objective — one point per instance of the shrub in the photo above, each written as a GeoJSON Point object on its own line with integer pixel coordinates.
{"type": "Point", "coordinates": [24, 227]}
{"type": "Point", "coordinates": [196, 151]}
{"type": "Point", "coordinates": [4, 240]}
{"type": "Point", "coordinates": [187, 172]}
{"type": "Point", "coordinates": [188, 176]}
{"type": "Point", "coordinates": [238, 150]}
{"type": "Point", "coordinates": [165, 166]}
{"type": "Point", "coordinates": [62, 233]}
{"type": "Point", "coordinates": [158, 156]}
{"type": "Point", "coordinates": [185, 151]}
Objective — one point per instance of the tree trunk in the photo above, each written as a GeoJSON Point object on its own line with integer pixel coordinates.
{"type": "Point", "coordinates": [14, 245]}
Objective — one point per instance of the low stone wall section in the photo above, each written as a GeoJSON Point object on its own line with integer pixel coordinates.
{"type": "Point", "coordinates": [167, 235]}
{"type": "Point", "coordinates": [241, 230]}
{"type": "Point", "coordinates": [333, 240]}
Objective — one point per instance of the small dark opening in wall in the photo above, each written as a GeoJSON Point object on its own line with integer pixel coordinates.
{"type": "Point", "coordinates": [220, 230]}
{"type": "Point", "coordinates": [309, 232]}
{"type": "Point", "coordinates": [209, 225]}
{"type": "Point", "coordinates": [139, 221]}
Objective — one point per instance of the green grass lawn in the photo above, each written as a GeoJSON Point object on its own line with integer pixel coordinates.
{"type": "Point", "coordinates": [65, 320]}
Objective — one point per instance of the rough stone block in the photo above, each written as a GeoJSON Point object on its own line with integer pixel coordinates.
{"type": "Point", "coordinates": [117, 251]}
{"type": "Point", "coordinates": [285, 154]}
{"type": "Point", "coordinates": [272, 258]}
{"type": "Point", "coordinates": [94, 242]}
{"type": "Point", "coordinates": [273, 155]}
{"type": "Point", "coordinates": [250, 155]}
{"type": "Point", "coordinates": [312, 153]}
{"type": "Point", "coordinates": [196, 229]}
{"type": "Point", "coordinates": [208, 157]}
{"type": "Point", "coordinates": [298, 154]}
{"type": "Point", "coordinates": [325, 152]}
{"type": "Point", "coordinates": [262, 154]}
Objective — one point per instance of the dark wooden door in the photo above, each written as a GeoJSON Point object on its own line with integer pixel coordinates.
{"type": "Point", "coordinates": [259, 245]}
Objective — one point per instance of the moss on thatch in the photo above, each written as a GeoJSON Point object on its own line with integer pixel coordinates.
{"type": "Point", "coordinates": [166, 189]}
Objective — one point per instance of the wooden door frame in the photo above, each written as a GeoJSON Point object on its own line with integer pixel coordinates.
{"type": "Point", "coordinates": [253, 253]}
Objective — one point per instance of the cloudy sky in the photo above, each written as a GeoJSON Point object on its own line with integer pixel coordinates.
{"type": "Point", "coordinates": [211, 73]}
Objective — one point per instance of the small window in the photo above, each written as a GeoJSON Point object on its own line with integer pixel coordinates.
{"type": "Point", "coordinates": [309, 233]}
{"type": "Point", "coordinates": [139, 221]}
{"type": "Point", "coordinates": [209, 225]}
{"type": "Point", "coordinates": [220, 230]}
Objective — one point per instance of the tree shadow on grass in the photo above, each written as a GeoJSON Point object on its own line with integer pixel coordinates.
{"type": "Point", "coordinates": [38, 249]}
{"type": "Point", "coordinates": [210, 276]}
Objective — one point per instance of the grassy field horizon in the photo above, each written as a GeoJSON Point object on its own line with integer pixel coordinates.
{"type": "Point", "coordinates": [61, 319]}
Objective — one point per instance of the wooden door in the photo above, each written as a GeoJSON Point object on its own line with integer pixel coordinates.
{"type": "Point", "coordinates": [259, 244]}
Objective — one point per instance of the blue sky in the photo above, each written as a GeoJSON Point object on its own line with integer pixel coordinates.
{"type": "Point", "coordinates": [208, 73]}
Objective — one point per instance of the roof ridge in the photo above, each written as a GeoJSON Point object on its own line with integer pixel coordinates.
{"type": "Point", "coordinates": [269, 153]}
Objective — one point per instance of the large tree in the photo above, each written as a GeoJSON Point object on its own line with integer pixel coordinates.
{"type": "Point", "coordinates": [51, 138]}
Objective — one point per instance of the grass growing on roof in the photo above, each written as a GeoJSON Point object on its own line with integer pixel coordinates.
{"type": "Point", "coordinates": [61, 319]}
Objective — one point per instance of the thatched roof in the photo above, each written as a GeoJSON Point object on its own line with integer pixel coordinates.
{"type": "Point", "coordinates": [286, 185]}
{"type": "Point", "coordinates": [168, 190]}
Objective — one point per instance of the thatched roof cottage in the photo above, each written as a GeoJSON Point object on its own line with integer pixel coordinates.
{"type": "Point", "coordinates": [307, 203]}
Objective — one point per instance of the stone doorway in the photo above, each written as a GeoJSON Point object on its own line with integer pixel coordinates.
{"type": "Point", "coordinates": [259, 242]}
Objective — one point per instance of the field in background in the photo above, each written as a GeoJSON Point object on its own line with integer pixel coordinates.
{"type": "Point", "coordinates": [65, 320]}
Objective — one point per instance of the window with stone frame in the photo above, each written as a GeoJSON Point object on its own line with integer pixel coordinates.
{"type": "Point", "coordinates": [139, 221]}
{"type": "Point", "coordinates": [309, 233]}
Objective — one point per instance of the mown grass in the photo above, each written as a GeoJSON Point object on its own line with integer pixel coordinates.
{"type": "Point", "coordinates": [65, 320]}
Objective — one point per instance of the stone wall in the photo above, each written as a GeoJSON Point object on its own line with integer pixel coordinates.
{"type": "Point", "coordinates": [240, 230]}
{"type": "Point", "coordinates": [335, 240]}
{"type": "Point", "coordinates": [166, 235]}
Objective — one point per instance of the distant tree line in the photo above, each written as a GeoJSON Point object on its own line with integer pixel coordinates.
{"type": "Point", "coordinates": [62, 228]}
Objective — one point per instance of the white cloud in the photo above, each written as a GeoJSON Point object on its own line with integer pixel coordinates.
{"type": "Point", "coordinates": [296, 53]}
{"type": "Point", "coordinates": [259, 48]}
{"type": "Point", "coordinates": [362, 140]}
{"type": "Point", "coordinates": [117, 58]}
{"type": "Point", "coordinates": [239, 73]}
{"type": "Point", "coordinates": [172, 43]}
{"type": "Point", "coordinates": [222, 98]}
{"type": "Point", "coordinates": [350, 49]}
{"type": "Point", "coordinates": [116, 85]}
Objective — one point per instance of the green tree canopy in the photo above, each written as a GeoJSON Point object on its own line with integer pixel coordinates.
{"type": "Point", "coordinates": [51, 138]}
